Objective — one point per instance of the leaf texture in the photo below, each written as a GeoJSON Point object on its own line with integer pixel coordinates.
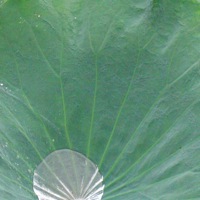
{"type": "Point", "coordinates": [117, 81]}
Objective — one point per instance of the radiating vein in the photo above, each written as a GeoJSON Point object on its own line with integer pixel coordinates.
{"type": "Point", "coordinates": [116, 122]}
{"type": "Point", "coordinates": [151, 147]}
{"type": "Point", "coordinates": [149, 112]}
{"type": "Point", "coordinates": [94, 96]}
{"type": "Point", "coordinates": [65, 116]}
{"type": "Point", "coordinates": [17, 183]}
{"type": "Point", "coordinates": [93, 108]}
{"type": "Point", "coordinates": [31, 108]}
{"type": "Point", "coordinates": [148, 186]}
{"type": "Point", "coordinates": [60, 80]}
{"type": "Point", "coordinates": [22, 89]}
{"type": "Point", "coordinates": [22, 131]}
{"type": "Point", "coordinates": [13, 166]}
{"type": "Point", "coordinates": [144, 173]}
{"type": "Point", "coordinates": [41, 51]}
{"type": "Point", "coordinates": [63, 95]}
{"type": "Point", "coordinates": [3, 135]}
{"type": "Point", "coordinates": [108, 30]}
{"type": "Point", "coordinates": [184, 73]}
{"type": "Point", "coordinates": [33, 112]}
{"type": "Point", "coordinates": [123, 102]}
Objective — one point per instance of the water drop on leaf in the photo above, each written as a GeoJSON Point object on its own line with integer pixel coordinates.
{"type": "Point", "coordinates": [67, 175]}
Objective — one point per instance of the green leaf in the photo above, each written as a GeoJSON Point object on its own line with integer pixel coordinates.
{"type": "Point", "coordinates": [117, 81]}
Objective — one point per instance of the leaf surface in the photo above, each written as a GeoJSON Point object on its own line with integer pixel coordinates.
{"type": "Point", "coordinates": [116, 81]}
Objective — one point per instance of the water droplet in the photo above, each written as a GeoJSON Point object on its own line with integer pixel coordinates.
{"type": "Point", "coordinates": [39, 16]}
{"type": "Point", "coordinates": [1, 84]}
{"type": "Point", "coordinates": [74, 17]}
{"type": "Point", "coordinates": [66, 174]}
